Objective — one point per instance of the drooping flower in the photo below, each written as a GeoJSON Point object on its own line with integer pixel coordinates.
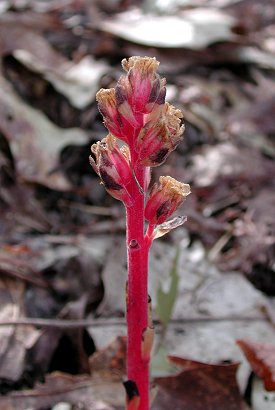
{"type": "Point", "coordinates": [112, 164]}
{"type": "Point", "coordinates": [164, 199]}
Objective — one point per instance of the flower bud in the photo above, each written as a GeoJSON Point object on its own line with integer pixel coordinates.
{"type": "Point", "coordinates": [164, 199]}
{"type": "Point", "coordinates": [137, 99]}
{"type": "Point", "coordinates": [155, 141]}
{"type": "Point", "coordinates": [112, 165]}
{"type": "Point", "coordinates": [120, 126]}
{"type": "Point", "coordinates": [142, 87]}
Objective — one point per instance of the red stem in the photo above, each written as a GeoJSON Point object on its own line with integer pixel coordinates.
{"type": "Point", "coordinates": [137, 305]}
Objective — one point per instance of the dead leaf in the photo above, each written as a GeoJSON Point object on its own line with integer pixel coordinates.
{"type": "Point", "coordinates": [27, 20]}
{"type": "Point", "coordinates": [14, 342]}
{"type": "Point", "coordinates": [22, 211]}
{"type": "Point", "coordinates": [226, 160]}
{"type": "Point", "coordinates": [261, 357]}
{"type": "Point", "coordinates": [253, 120]}
{"type": "Point", "coordinates": [35, 142]}
{"type": "Point", "coordinates": [79, 82]}
{"type": "Point", "coordinates": [199, 386]}
{"type": "Point", "coordinates": [254, 55]}
{"type": "Point", "coordinates": [194, 28]}
{"type": "Point", "coordinates": [114, 278]}
{"type": "Point", "coordinates": [15, 262]}
{"type": "Point", "coordinates": [16, 35]}
{"type": "Point", "coordinates": [54, 346]}
{"type": "Point", "coordinates": [269, 309]}
{"type": "Point", "coordinates": [61, 387]}
{"type": "Point", "coordinates": [255, 231]}
{"type": "Point", "coordinates": [110, 360]}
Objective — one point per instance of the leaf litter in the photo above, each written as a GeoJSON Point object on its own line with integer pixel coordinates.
{"type": "Point", "coordinates": [193, 29]}
{"type": "Point", "coordinates": [189, 389]}
{"type": "Point", "coordinates": [61, 246]}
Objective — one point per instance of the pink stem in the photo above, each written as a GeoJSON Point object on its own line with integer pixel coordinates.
{"type": "Point", "coordinates": [137, 305]}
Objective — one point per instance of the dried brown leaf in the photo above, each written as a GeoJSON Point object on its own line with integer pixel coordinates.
{"type": "Point", "coordinates": [111, 360]}
{"type": "Point", "coordinates": [199, 386]}
{"type": "Point", "coordinates": [261, 357]}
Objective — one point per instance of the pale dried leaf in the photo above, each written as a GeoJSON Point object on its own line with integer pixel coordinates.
{"type": "Point", "coordinates": [14, 342]}
{"type": "Point", "coordinates": [35, 142]}
{"type": "Point", "coordinates": [193, 29]}
{"type": "Point", "coordinates": [78, 82]}
{"type": "Point", "coordinates": [80, 390]}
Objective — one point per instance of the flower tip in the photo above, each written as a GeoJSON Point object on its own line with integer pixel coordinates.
{"type": "Point", "coordinates": [178, 188]}
{"type": "Point", "coordinates": [141, 63]}
{"type": "Point", "coordinates": [103, 93]}
{"type": "Point", "coordinates": [106, 100]}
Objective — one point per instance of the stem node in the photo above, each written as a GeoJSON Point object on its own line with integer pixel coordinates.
{"type": "Point", "coordinates": [134, 244]}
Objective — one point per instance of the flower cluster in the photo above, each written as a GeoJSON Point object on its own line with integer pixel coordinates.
{"type": "Point", "coordinates": [135, 112]}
